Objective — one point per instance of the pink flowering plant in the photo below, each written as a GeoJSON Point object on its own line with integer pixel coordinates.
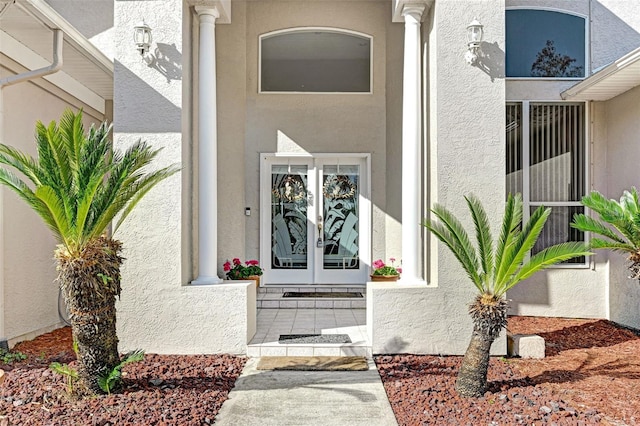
{"type": "Point", "coordinates": [239, 271]}
{"type": "Point", "coordinates": [381, 268]}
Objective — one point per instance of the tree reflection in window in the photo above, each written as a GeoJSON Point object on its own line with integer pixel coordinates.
{"type": "Point", "coordinates": [545, 44]}
{"type": "Point", "coordinates": [550, 63]}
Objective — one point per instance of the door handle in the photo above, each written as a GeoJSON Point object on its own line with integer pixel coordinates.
{"type": "Point", "coordinates": [319, 242]}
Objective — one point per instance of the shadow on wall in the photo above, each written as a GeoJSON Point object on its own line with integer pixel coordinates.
{"type": "Point", "coordinates": [491, 60]}
{"type": "Point", "coordinates": [531, 292]}
{"type": "Point", "coordinates": [140, 108]}
{"type": "Point", "coordinates": [168, 61]}
{"type": "Point", "coordinates": [611, 37]}
{"type": "Point", "coordinates": [395, 346]}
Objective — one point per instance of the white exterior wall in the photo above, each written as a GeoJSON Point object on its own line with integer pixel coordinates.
{"type": "Point", "coordinates": [614, 29]}
{"type": "Point", "coordinates": [158, 311]}
{"type": "Point", "coordinates": [28, 274]}
{"type": "Point", "coordinates": [464, 130]}
{"type": "Point", "coordinates": [315, 123]}
{"type": "Point", "coordinates": [623, 151]}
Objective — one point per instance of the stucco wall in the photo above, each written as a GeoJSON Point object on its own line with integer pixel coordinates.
{"type": "Point", "coordinates": [466, 152]}
{"type": "Point", "coordinates": [613, 31]}
{"type": "Point", "coordinates": [158, 311]}
{"type": "Point", "coordinates": [316, 122]}
{"type": "Point", "coordinates": [623, 143]}
{"type": "Point", "coordinates": [28, 275]}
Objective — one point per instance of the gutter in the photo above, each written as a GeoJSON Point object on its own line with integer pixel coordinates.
{"type": "Point", "coordinates": [603, 73]}
{"type": "Point", "coordinates": [55, 66]}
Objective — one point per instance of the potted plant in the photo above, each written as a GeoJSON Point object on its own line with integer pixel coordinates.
{"type": "Point", "coordinates": [250, 270]}
{"type": "Point", "coordinates": [384, 272]}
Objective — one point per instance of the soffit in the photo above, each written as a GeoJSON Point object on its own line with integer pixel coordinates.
{"type": "Point", "coordinates": [608, 82]}
{"type": "Point", "coordinates": [31, 23]}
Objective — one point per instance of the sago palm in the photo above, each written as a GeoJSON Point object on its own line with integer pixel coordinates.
{"type": "Point", "coordinates": [494, 268]}
{"type": "Point", "coordinates": [78, 186]}
{"type": "Point", "coordinates": [624, 216]}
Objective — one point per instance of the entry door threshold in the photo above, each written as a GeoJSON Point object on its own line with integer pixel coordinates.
{"type": "Point", "coordinates": [272, 297]}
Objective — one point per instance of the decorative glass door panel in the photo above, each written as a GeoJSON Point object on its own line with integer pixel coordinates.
{"type": "Point", "coordinates": [340, 223]}
{"type": "Point", "coordinates": [289, 206]}
{"type": "Point", "coordinates": [314, 220]}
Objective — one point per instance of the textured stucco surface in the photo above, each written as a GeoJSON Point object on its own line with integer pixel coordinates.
{"type": "Point", "coordinates": [319, 122]}
{"type": "Point", "coordinates": [614, 30]}
{"type": "Point", "coordinates": [158, 311]}
{"type": "Point", "coordinates": [28, 273]}
{"type": "Point", "coordinates": [466, 151]}
{"type": "Point", "coordinates": [623, 151]}
{"type": "Point", "coordinates": [417, 319]}
{"type": "Point", "coordinates": [206, 319]}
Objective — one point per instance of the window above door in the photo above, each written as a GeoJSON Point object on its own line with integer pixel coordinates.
{"type": "Point", "coordinates": [315, 60]}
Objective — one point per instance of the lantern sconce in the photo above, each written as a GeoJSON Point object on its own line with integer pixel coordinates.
{"type": "Point", "coordinates": [142, 38]}
{"type": "Point", "coordinates": [474, 40]}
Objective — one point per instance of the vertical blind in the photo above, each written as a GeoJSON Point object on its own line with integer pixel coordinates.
{"type": "Point", "coordinates": [556, 164]}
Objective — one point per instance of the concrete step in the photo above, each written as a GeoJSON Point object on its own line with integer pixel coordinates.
{"type": "Point", "coordinates": [271, 297]}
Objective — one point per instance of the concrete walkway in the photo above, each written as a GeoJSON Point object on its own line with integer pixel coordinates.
{"type": "Point", "coordinates": [304, 398]}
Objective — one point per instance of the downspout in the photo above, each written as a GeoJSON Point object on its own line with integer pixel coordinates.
{"type": "Point", "coordinates": [55, 66]}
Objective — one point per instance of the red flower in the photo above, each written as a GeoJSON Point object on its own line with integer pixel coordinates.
{"type": "Point", "coordinates": [251, 262]}
{"type": "Point", "coordinates": [227, 266]}
{"type": "Point", "coordinates": [236, 261]}
{"type": "Point", "coordinates": [378, 264]}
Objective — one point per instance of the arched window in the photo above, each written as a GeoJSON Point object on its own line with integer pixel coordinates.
{"type": "Point", "coordinates": [545, 43]}
{"type": "Point", "coordinates": [315, 60]}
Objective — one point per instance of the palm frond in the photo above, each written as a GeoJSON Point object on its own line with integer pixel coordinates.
{"type": "Point", "coordinates": [141, 189]}
{"type": "Point", "coordinates": [598, 243]}
{"type": "Point", "coordinates": [483, 235]}
{"type": "Point", "coordinates": [545, 258]}
{"type": "Point", "coordinates": [460, 239]}
{"type": "Point", "coordinates": [510, 229]}
{"type": "Point", "coordinates": [442, 233]}
{"type": "Point", "coordinates": [585, 223]}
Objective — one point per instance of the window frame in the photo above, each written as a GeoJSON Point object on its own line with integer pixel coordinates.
{"type": "Point", "coordinates": [261, 37]}
{"type": "Point", "coordinates": [527, 204]}
{"type": "Point", "coordinates": [587, 41]}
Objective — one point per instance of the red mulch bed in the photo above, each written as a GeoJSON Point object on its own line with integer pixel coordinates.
{"type": "Point", "coordinates": [591, 375]}
{"type": "Point", "coordinates": [161, 390]}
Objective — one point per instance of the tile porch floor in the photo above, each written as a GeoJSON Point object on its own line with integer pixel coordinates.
{"type": "Point", "coordinates": [274, 322]}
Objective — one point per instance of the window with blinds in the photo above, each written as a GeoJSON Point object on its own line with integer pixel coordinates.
{"type": "Point", "coordinates": [546, 162]}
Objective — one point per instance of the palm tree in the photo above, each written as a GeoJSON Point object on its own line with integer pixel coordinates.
{"type": "Point", "coordinates": [625, 218]}
{"type": "Point", "coordinates": [77, 186]}
{"type": "Point", "coordinates": [494, 270]}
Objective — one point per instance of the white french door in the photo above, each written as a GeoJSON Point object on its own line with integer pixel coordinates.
{"type": "Point", "coordinates": [315, 219]}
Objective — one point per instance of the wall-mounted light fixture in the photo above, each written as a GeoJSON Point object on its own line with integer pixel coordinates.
{"type": "Point", "coordinates": [142, 38]}
{"type": "Point", "coordinates": [474, 39]}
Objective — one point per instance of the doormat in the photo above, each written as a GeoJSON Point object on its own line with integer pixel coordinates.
{"type": "Point", "coordinates": [320, 294]}
{"type": "Point", "coordinates": [313, 338]}
{"type": "Point", "coordinates": [313, 363]}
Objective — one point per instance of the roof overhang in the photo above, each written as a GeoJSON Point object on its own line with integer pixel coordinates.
{"type": "Point", "coordinates": [26, 32]}
{"type": "Point", "coordinates": [608, 82]}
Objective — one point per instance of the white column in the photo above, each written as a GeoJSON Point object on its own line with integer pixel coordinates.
{"type": "Point", "coordinates": [208, 150]}
{"type": "Point", "coordinates": [411, 138]}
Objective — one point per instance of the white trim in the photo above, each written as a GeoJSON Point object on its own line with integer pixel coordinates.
{"type": "Point", "coordinates": [315, 274]}
{"type": "Point", "coordinates": [40, 10]}
{"type": "Point", "coordinates": [312, 29]}
{"type": "Point", "coordinates": [587, 43]}
{"type": "Point", "coordinates": [526, 160]}
{"type": "Point", "coordinates": [31, 61]}
{"type": "Point", "coordinates": [602, 75]}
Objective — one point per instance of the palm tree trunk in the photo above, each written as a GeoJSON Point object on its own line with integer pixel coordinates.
{"type": "Point", "coordinates": [472, 377]}
{"type": "Point", "coordinates": [90, 281]}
